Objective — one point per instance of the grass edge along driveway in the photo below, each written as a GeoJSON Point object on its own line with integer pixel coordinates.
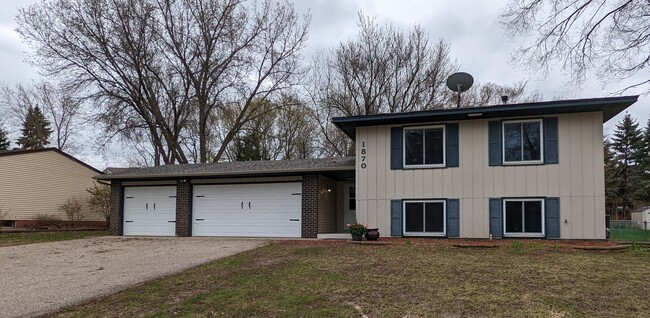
{"type": "Point", "coordinates": [21, 238]}
{"type": "Point", "coordinates": [411, 278]}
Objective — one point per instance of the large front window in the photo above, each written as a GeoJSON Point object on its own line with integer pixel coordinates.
{"type": "Point", "coordinates": [522, 141]}
{"type": "Point", "coordinates": [524, 217]}
{"type": "Point", "coordinates": [424, 218]}
{"type": "Point", "coordinates": [424, 146]}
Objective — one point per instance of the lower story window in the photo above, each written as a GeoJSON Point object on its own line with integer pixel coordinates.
{"type": "Point", "coordinates": [523, 217]}
{"type": "Point", "coordinates": [424, 218]}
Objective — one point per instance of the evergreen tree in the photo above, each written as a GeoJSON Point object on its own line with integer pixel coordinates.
{"type": "Point", "coordinates": [642, 174]}
{"type": "Point", "coordinates": [4, 141]}
{"type": "Point", "coordinates": [626, 143]}
{"type": "Point", "coordinates": [611, 199]}
{"type": "Point", "coordinates": [36, 130]}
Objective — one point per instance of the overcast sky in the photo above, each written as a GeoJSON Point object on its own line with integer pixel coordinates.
{"type": "Point", "coordinates": [478, 45]}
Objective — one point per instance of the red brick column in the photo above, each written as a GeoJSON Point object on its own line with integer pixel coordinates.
{"type": "Point", "coordinates": [310, 206]}
{"type": "Point", "coordinates": [183, 209]}
{"type": "Point", "coordinates": [117, 202]}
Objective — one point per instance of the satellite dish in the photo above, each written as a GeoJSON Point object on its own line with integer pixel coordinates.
{"type": "Point", "coordinates": [459, 82]}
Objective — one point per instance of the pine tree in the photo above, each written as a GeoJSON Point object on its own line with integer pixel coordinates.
{"type": "Point", "coordinates": [4, 141]}
{"type": "Point", "coordinates": [36, 130]}
{"type": "Point", "coordinates": [642, 173]}
{"type": "Point", "coordinates": [611, 199]}
{"type": "Point", "coordinates": [626, 143]}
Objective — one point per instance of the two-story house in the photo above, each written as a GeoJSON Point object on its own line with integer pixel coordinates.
{"type": "Point", "coordinates": [517, 170]}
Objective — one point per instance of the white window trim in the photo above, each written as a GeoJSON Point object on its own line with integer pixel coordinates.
{"type": "Point", "coordinates": [444, 147]}
{"type": "Point", "coordinates": [541, 142]}
{"type": "Point", "coordinates": [525, 234]}
{"type": "Point", "coordinates": [444, 218]}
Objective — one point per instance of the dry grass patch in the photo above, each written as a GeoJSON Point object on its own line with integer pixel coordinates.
{"type": "Point", "coordinates": [319, 279]}
{"type": "Point", "coordinates": [11, 239]}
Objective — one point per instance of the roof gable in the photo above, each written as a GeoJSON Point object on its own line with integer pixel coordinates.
{"type": "Point", "coordinates": [19, 152]}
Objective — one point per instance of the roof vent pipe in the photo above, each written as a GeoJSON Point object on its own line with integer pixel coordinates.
{"type": "Point", "coordinates": [504, 99]}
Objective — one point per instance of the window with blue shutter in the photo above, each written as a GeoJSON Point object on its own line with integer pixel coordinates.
{"type": "Point", "coordinates": [453, 218]}
{"type": "Point", "coordinates": [496, 222]}
{"type": "Point", "coordinates": [452, 151]}
{"type": "Point", "coordinates": [396, 217]}
{"type": "Point", "coordinates": [396, 151]}
{"type": "Point", "coordinates": [552, 218]}
{"type": "Point", "coordinates": [494, 143]}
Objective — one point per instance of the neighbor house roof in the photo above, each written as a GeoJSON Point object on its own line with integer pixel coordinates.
{"type": "Point", "coordinates": [610, 106]}
{"type": "Point", "coordinates": [238, 168]}
{"type": "Point", "coordinates": [17, 152]}
{"type": "Point", "coordinates": [641, 209]}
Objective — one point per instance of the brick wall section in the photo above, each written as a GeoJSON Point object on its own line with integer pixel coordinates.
{"type": "Point", "coordinates": [115, 225]}
{"type": "Point", "coordinates": [183, 207]}
{"type": "Point", "coordinates": [309, 206]}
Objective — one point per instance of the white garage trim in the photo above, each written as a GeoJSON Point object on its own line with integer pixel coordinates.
{"type": "Point", "coordinates": [247, 210]}
{"type": "Point", "coordinates": [149, 211]}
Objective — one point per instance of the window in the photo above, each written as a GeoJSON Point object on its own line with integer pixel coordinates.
{"type": "Point", "coordinates": [352, 199]}
{"type": "Point", "coordinates": [522, 141]}
{"type": "Point", "coordinates": [523, 217]}
{"type": "Point", "coordinates": [424, 218]}
{"type": "Point", "coordinates": [424, 146]}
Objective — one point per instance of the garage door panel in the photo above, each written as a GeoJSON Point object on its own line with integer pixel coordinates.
{"type": "Point", "coordinates": [149, 211]}
{"type": "Point", "coordinates": [267, 210]}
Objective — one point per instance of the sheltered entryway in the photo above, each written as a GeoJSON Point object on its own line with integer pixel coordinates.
{"type": "Point", "coordinates": [150, 211]}
{"type": "Point", "coordinates": [247, 210]}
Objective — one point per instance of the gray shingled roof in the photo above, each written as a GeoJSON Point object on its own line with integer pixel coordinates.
{"type": "Point", "coordinates": [230, 169]}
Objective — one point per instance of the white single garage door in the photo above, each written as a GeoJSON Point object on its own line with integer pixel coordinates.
{"type": "Point", "coordinates": [255, 210]}
{"type": "Point", "coordinates": [150, 211]}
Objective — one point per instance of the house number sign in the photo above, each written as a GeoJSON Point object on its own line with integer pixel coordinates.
{"type": "Point", "coordinates": [364, 153]}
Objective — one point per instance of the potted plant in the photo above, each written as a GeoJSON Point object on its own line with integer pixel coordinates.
{"type": "Point", "coordinates": [357, 230]}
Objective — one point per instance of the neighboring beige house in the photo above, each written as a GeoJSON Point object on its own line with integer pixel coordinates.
{"type": "Point", "coordinates": [36, 182]}
{"type": "Point", "coordinates": [518, 170]}
{"type": "Point", "coordinates": [641, 215]}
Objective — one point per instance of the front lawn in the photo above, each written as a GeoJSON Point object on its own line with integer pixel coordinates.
{"type": "Point", "coordinates": [408, 279]}
{"type": "Point", "coordinates": [10, 239]}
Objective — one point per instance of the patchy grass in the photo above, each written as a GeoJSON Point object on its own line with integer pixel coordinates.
{"type": "Point", "coordinates": [326, 279]}
{"type": "Point", "coordinates": [10, 239]}
{"type": "Point", "coordinates": [628, 234]}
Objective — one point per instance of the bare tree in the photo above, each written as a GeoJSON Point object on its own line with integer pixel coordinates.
{"type": "Point", "coordinates": [489, 94]}
{"type": "Point", "coordinates": [383, 69]}
{"type": "Point", "coordinates": [165, 68]}
{"type": "Point", "coordinates": [612, 37]}
{"type": "Point", "coordinates": [60, 106]}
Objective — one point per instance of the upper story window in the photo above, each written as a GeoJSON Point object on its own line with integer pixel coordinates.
{"type": "Point", "coordinates": [522, 141]}
{"type": "Point", "coordinates": [424, 146]}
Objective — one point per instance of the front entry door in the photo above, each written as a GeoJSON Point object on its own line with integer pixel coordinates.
{"type": "Point", "coordinates": [350, 205]}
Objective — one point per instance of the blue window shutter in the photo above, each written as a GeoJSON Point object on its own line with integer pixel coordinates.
{"type": "Point", "coordinates": [396, 217]}
{"type": "Point", "coordinates": [396, 148]}
{"type": "Point", "coordinates": [451, 143]}
{"type": "Point", "coordinates": [453, 218]}
{"type": "Point", "coordinates": [496, 217]}
{"type": "Point", "coordinates": [552, 217]}
{"type": "Point", "coordinates": [550, 140]}
{"type": "Point", "coordinates": [494, 143]}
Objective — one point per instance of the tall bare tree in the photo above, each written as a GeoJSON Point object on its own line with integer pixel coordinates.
{"type": "Point", "coordinates": [164, 68]}
{"type": "Point", "coordinates": [612, 37]}
{"type": "Point", "coordinates": [60, 106]}
{"type": "Point", "coordinates": [382, 69]}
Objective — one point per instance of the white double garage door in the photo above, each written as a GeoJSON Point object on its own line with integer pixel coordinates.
{"type": "Point", "coordinates": [245, 210]}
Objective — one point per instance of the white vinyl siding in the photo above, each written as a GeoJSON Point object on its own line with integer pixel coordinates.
{"type": "Point", "coordinates": [578, 178]}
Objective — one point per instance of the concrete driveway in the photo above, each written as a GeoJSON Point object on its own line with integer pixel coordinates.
{"type": "Point", "coordinates": [41, 278]}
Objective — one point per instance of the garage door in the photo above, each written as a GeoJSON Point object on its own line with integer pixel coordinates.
{"type": "Point", "coordinates": [257, 210]}
{"type": "Point", "coordinates": [150, 211]}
